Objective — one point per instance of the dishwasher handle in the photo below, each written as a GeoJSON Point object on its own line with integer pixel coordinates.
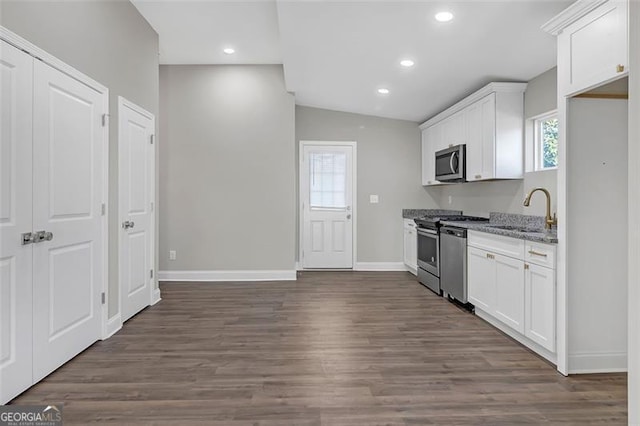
{"type": "Point", "coordinates": [456, 232]}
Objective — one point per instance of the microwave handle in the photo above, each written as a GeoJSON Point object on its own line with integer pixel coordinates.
{"type": "Point", "coordinates": [454, 154]}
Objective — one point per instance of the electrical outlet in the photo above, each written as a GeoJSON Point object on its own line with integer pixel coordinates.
{"type": "Point", "coordinates": [172, 255]}
{"type": "Point", "coordinates": [374, 199]}
{"type": "Point", "coordinates": [450, 199]}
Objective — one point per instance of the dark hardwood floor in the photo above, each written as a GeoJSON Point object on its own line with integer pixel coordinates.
{"type": "Point", "coordinates": [333, 348]}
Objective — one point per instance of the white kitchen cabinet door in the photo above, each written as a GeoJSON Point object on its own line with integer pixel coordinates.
{"type": "Point", "coordinates": [481, 279]}
{"type": "Point", "coordinates": [509, 306]}
{"type": "Point", "coordinates": [594, 49]}
{"type": "Point", "coordinates": [68, 177]}
{"type": "Point", "coordinates": [431, 141]}
{"type": "Point", "coordinates": [481, 138]}
{"type": "Point", "coordinates": [540, 308]}
{"type": "Point", "coordinates": [16, 278]}
{"type": "Point", "coordinates": [453, 132]}
{"type": "Point", "coordinates": [411, 248]}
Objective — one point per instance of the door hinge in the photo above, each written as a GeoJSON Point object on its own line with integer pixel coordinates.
{"type": "Point", "coordinates": [152, 206]}
{"type": "Point", "coordinates": [105, 120]}
{"type": "Point", "coordinates": [103, 298]}
{"type": "Point", "coordinates": [303, 254]}
{"type": "Point", "coordinates": [151, 273]}
{"type": "Point", "coordinates": [104, 209]}
{"type": "Point", "coordinates": [151, 139]}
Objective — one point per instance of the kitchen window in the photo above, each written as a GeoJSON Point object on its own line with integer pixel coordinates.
{"type": "Point", "coordinates": [546, 141]}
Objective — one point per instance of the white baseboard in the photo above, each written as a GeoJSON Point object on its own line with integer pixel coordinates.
{"type": "Point", "coordinates": [379, 266]}
{"type": "Point", "coordinates": [214, 276]}
{"type": "Point", "coordinates": [113, 325]}
{"type": "Point", "coordinates": [155, 297]}
{"type": "Point", "coordinates": [607, 362]}
{"type": "Point", "coordinates": [546, 354]}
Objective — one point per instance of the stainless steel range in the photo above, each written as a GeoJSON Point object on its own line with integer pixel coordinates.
{"type": "Point", "coordinates": [429, 248]}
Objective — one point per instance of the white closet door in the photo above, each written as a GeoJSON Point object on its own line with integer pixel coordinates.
{"type": "Point", "coordinates": [67, 182]}
{"type": "Point", "coordinates": [136, 170]}
{"type": "Point", "coordinates": [16, 70]}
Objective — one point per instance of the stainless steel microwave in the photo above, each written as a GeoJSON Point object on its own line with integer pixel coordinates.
{"type": "Point", "coordinates": [451, 164]}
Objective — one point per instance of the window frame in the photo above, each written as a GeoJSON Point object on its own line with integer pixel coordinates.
{"type": "Point", "coordinates": [538, 149]}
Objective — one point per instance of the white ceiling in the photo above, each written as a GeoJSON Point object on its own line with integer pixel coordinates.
{"type": "Point", "coordinates": [336, 54]}
{"type": "Point", "coordinates": [195, 32]}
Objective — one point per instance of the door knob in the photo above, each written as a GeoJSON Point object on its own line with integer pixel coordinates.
{"type": "Point", "coordinates": [127, 224]}
{"type": "Point", "coordinates": [348, 216]}
{"type": "Point", "coordinates": [40, 236]}
{"type": "Point", "coordinates": [28, 238]}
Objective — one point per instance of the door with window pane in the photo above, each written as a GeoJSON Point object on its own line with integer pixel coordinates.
{"type": "Point", "coordinates": [326, 180]}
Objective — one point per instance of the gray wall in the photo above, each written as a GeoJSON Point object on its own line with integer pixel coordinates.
{"type": "Point", "coordinates": [389, 165]}
{"type": "Point", "coordinates": [110, 42]}
{"type": "Point", "coordinates": [480, 198]}
{"type": "Point", "coordinates": [597, 261]}
{"type": "Point", "coordinates": [227, 175]}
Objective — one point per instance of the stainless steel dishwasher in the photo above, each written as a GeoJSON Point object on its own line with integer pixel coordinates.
{"type": "Point", "coordinates": [453, 262]}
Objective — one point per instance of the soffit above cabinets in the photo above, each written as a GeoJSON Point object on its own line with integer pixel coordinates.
{"type": "Point", "coordinates": [336, 54]}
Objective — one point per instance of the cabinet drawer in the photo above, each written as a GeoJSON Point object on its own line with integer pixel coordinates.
{"type": "Point", "coordinates": [505, 246]}
{"type": "Point", "coordinates": [540, 254]}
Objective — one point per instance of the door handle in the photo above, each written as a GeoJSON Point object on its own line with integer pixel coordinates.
{"type": "Point", "coordinates": [28, 238]}
{"type": "Point", "coordinates": [39, 237]}
{"type": "Point", "coordinates": [127, 224]}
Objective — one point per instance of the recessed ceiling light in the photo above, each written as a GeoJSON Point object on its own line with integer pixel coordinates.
{"type": "Point", "coordinates": [229, 51]}
{"type": "Point", "coordinates": [383, 91]}
{"type": "Point", "coordinates": [444, 16]}
{"type": "Point", "coordinates": [407, 63]}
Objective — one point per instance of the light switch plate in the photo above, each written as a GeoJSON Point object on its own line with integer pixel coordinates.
{"type": "Point", "coordinates": [172, 255]}
{"type": "Point", "coordinates": [374, 199]}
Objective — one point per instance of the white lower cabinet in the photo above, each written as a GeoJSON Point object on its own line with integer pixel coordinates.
{"type": "Point", "coordinates": [513, 290]}
{"type": "Point", "coordinates": [540, 312]}
{"type": "Point", "coordinates": [481, 278]}
{"type": "Point", "coordinates": [410, 246]}
{"type": "Point", "coordinates": [510, 292]}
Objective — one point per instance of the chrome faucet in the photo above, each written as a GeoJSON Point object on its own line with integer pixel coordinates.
{"type": "Point", "coordinates": [549, 220]}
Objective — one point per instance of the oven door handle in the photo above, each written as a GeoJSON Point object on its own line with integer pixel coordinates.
{"type": "Point", "coordinates": [426, 232]}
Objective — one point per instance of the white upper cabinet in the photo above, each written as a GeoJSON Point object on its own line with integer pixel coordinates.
{"type": "Point", "coordinates": [430, 139]}
{"type": "Point", "coordinates": [480, 131]}
{"type": "Point", "coordinates": [592, 44]}
{"type": "Point", "coordinates": [490, 123]}
{"type": "Point", "coordinates": [453, 131]}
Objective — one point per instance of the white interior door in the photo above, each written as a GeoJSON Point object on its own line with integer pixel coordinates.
{"type": "Point", "coordinates": [16, 84]}
{"type": "Point", "coordinates": [136, 168]}
{"type": "Point", "coordinates": [67, 187]}
{"type": "Point", "coordinates": [326, 183]}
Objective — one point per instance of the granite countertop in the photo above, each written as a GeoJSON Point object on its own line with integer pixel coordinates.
{"type": "Point", "coordinates": [530, 228]}
{"type": "Point", "coordinates": [416, 213]}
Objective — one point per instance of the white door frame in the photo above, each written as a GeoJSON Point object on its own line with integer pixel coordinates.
{"type": "Point", "coordinates": [33, 50]}
{"type": "Point", "coordinates": [154, 292]}
{"type": "Point", "coordinates": [354, 207]}
{"type": "Point", "coordinates": [633, 355]}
